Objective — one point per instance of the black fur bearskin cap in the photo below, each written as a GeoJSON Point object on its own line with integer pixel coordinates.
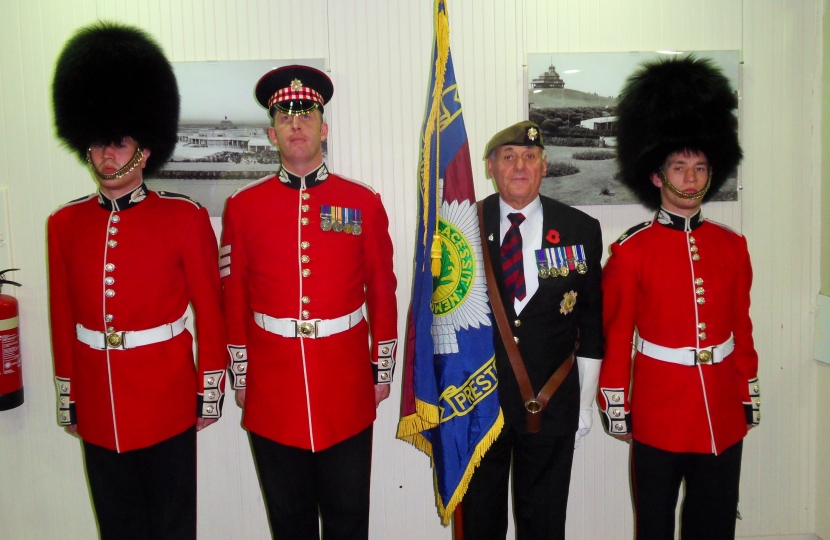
{"type": "Point", "coordinates": [672, 105]}
{"type": "Point", "coordinates": [113, 81]}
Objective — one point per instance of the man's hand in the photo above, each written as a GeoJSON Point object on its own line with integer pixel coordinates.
{"type": "Point", "coordinates": [73, 430]}
{"type": "Point", "coordinates": [240, 398]}
{"type": "Point", "coordinates": [586, 420]}
{"type": "Point", "coordinates": [381, 393]}
{"type": "Point", "coordinates": [625, 438]}
{"type": "Point", "coordinates": [202, 423]}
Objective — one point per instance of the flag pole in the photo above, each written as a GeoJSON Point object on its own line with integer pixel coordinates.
{"type": "Point", "coordinates": [458, 522]}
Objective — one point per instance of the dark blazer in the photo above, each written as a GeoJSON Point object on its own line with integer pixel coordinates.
{"type": "Point", "coordinates": [547, 336]}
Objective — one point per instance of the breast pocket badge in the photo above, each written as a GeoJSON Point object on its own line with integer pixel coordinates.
{"type": "Point", "coordinates": [568, 302]}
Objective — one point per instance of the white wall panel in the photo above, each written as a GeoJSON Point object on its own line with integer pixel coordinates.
{"type": "Point", "coordinates": [378, 54]}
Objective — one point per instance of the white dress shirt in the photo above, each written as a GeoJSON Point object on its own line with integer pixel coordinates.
{"type": "Point", "coordinates": [531, 229]}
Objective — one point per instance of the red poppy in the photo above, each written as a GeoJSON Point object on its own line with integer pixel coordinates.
{"type": "Point", "coordinates": [553, 236]}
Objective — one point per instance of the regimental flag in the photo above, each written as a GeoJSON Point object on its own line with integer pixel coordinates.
{"type": "Point", "coordinates": [450, 404]}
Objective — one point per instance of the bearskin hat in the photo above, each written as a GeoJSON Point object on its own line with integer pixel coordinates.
{"type": "Point", "coordinates": [113, 81]}
{"type": "Point", "coordinates": [673, 105]}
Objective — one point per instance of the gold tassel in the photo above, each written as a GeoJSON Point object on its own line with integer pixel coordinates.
{"type": "Point", "coordinates": [435, 255]}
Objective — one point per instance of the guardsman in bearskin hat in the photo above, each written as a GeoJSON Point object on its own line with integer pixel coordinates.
{"type": "Point", "coordinates": [682, 283]}
{"type": "Point", "coordinates": [546, 264]}
{"type": "Point", "coordinates": [124, 264]}
{"type": "Point", "coordinates": [306, 265]}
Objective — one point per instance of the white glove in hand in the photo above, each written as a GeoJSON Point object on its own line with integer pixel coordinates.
{"type": "Point", "coordinates": [586, 420]}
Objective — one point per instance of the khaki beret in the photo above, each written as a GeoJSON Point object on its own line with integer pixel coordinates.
{"type": "Point", "coordinates": [524, 133]}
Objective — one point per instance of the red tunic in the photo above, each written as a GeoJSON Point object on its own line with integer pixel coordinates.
{"type": "Point", "coordinates": [156, 253]}
{"type": "Point", "coordinates": [302, 392]}
{"type": "Point", "coordinates": [652, 283]}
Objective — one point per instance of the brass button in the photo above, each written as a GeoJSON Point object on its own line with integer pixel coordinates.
{"type": "Point", "coordinates": [304, 221]}
{"type": "Point", "coordinates": [702, 336]}
{"type": "Point", "coordinates": [304, 244]}
{"type": "Point", "coordinates": [240, 368]}
{"type": "Point", "coordinates": [211, 395]}
{"type": "Point", "coordinates": [305, 314]}
{"type": "Point", "coordinates": [618, 426]}
{"type": "Point", "coordinates": [304, 208]}
{"type": "Point", "coordinates": [210, 409]}
{"type": "Point", "coordinates": [615, 398]}
{"type": "Point", "coordinates": [699, 291]}
{"type": "Point", "coordinates": [306, 272]}
{"type": "Point", "coordinates": [384, 350]}
{"type": "Point", "coordinates": [384, 376]}
{"type": "Point", "coordinates": [113, 230]}
{"type": "Point", "coordinates": [109, 267]}
{"type": "Point", "coordinates": [305, 299]}
{"type": "Point", "coordinates": [516, 339]}
{"type": "Point", "coordinates": [211, 381]}
{"type": "Point", "coordinates": [385, 363]}
{"type": "Point", "coordinates": [701, 326]}
{"type": "Point", "coordinates": [241, 380]}
{"type": "Point", "coordinates": [304, 258]}
{"type": "Point", "coordinates": [756, 389]}
{"type": "Point", "coordinates": [108, 318]}
{"type": "Point", "coordinates": [240, 354]}
{"type": "Point", "coordinates": [692, 239]}
{"type": "Point", "coordinates": [109, 280]}
{"type": "Point", "coordinates": [115, 218]}
{"type": "Point", "coordinates": [615, 413]}
{"type": "Point", "coordinates": [698, 281]}
{"type": "Point", "coordinates": [695, 257]}
{"type": "Point", "coordinates": [109, 293]}
{"type": "Point", "coordinates": [701, 300]}
{"type": "Point", "coordinates": [112, 243]}
{"type": "Point", "coordinates": [517, 323]}
{"type": "Point", "coordinates": [64, 388]}
{"type": "Point", "coordinates": [693, 249]}
{"type": "Point", "coordinates": [110, 329]}
{"type": "Point", "coordinates": [305, 196]}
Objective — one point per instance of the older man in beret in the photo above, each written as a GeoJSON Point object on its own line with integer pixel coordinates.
{"type": "Point", "coordinates": [304, 252]}
{"type": "Point", "coordinates": [545, 258]}
{"type": "Point", "coordinates": [124, 263]}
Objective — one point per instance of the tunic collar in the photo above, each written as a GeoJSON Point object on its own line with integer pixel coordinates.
{"type": "Point", "coordinates": [310, 180]}
{"type": "Point", "coordinates": [125, 201]}
{"type": "Point", "coordinates": [679, 223]}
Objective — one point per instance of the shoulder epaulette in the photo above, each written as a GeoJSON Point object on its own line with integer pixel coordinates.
{"type": "Point", "coordinates": [178, 196]}
{"type": "Point", "coordinates": [722, 226]}
{"type": "Point", "coordinates": [73, 202]}
{"type": "Point", "coordinates": [634, 230]}
{"type": "Point", "coordinates": [252, 184]}
{"type": "Point", "coordinates": [358, 182]}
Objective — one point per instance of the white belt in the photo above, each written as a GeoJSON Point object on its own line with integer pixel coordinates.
{"type": "Point", "coordinates": [129, 339]}
{"type": "Point", "coordinates": [688, 356]}
{"type": "Point", "coordinates": [313, 328]}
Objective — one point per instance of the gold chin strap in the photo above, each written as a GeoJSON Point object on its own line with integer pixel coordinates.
{"type": "Point", "coordinates": [123, 171]}
{"type": "Point", "coordinates": [697, 195]}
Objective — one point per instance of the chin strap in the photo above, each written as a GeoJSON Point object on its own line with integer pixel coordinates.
{"type": "Point", "coordinates": [697, 195]}
{"type": "Point", "coordinates": [123, 171]}
{"type": "Point", "coordinates": [588, 381]}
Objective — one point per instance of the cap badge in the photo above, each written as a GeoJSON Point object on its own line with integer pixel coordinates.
{"type": "Point", "coordinates": [532, 134]}
{"type": "Point", "coordinates": [296, 85]}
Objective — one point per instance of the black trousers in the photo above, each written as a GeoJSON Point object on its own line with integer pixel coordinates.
{"type": "Point", "coordinates": [297, 482]}
{"type": "Point", "coordinates": [710, 505]}
{"type": "Point", "coordinates": [541, 479]}
{"type": "Point", "coordinates": [145, 493]}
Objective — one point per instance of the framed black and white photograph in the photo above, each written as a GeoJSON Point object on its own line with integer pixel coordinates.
{"type": "Point", "coordinates": [573, 98]}
{"type": "Point", "coordinates": [223, 131]}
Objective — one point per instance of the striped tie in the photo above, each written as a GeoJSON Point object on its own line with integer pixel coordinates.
{"type": "Point", "coordinates": [512, 263]}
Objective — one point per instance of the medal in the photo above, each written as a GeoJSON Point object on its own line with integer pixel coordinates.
{"type": "Point", "coordinates": [542, 264]}
{"type": "Point", "coordinates": [564, 271]}
{"type": "Point", "coordinates": [356, 228]}
{"type": "Point", "coordinates": [581, 267]}
{"type": "Point", "coordinates": [544, 273]}
{"type": "Point", "coordinates": [347, 219]}
{"type": "Point", "coordinates": [337, 226]}
{"type": "Point", "coordinates": [325, 217]}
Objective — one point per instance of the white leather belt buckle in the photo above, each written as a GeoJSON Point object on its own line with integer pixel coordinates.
{"type": "Point", "coordinates": [688, 356]}
{"type": "Point", "coordinates": [129, 339]}
{"type": "Point", "coordinates": [312, 329]}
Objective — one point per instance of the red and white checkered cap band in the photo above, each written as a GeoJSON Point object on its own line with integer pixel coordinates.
{"type": "Point", "coordinates": [287, 94]}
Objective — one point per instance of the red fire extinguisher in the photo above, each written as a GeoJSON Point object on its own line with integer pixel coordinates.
{"type": "Point", "coordinates": [11, 378]}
